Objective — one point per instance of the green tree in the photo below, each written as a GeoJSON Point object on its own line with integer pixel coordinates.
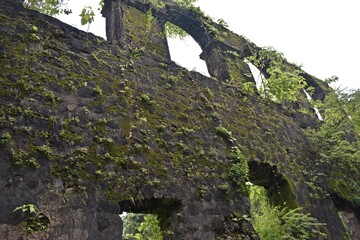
{"type": "Point", "coordinates": [238, 170]}
{"type": "Point", "coordinates": [131, 223]}
{"type": "Point", "coordinates": [49, 7]}
{"type": "Point", "coordinates": [281, 83]}
{"type": "Point", "coordinates": [336, 144]}
{"type": "Point", "coordinates": [149, 229]}
{"type": "Point", "coordinates": [341, 108]}
{"type": "Point", "coordinates": [172, 30]}
{"type": "Point", "coordinates": [54, 7]}
{"type": "Point", "coordinates": [141, 227]}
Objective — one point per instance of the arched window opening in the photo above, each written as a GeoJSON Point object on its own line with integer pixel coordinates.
{"type": "Point", "coordinates": [279, 189]}
{"type": "Point", "coordinates": [258, 76]}
{"type": "Point", "coordinates": [148, 218]}
{"type": "Point", "coordinates": [185, 52]}
{"type": "Point", "coordinates": [274, 211]}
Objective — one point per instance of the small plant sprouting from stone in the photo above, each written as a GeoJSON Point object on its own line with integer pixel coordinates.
{"type": "Point", "coordinates": [145, 98]}
{"type": "Point", "coordinates": [224, 187]}
{"type": "Point", "coordinates": [27, 208]}
{"type": "Point", "coordinates": [173, 80]}
{"type": "Point", "coordinates": [103, 120]}
{"type": "Point", "coordinates": [238, 170]}
{"type": "Point", "coordinates": [136, 52]}
{"type": "Point", "coordinates": [19, 158]}
{"type": "Point", "coordinates": [223, 132]}
{"type": "Point", "coordinates": [209, 94]}
{"type": "Point", "coordinates": [249, 87]}
{"type": "Point", "coordinates": [34, 35]}
{"type": "Point", "coordinates": [222, 23]}
{"type": "Point", "coordinates": [233, 53]}
{"type": "Point", "coordinates": [5, 138]}
{"type": "Point", "coordinates": [202, 190]}
{"type": "Point", "coordinates": [87, 15]}
{"type": "Point", "coordinates": [32, 162]}
{"type": "Point", "coordinates": [86, 110]}
{"type": "Point", "coordinates": [44, 149]}
{"type": "Point", "coordinates": [35, 221]}
{"type": "Point", "coordinates": [98, 90]}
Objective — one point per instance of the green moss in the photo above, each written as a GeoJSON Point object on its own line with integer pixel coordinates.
{"type": "Point", "coordinates": [21, 157]}
{"type": "Point", "coordinates": [6, 137]}
{"type": "Point", "coordinates": [342, 188]}
{"type": "Point", "coordinates": [286, 195]}
{"type": "Point", "coordinates": [165, 126]}
{"type": "Point", "coordinates": [44, 149]}
{"type": "Point", "coordinates": [224, 133]}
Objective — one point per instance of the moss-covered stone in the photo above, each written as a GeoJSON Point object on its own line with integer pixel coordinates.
{"type": "Point", "coordinates": [95, 120]}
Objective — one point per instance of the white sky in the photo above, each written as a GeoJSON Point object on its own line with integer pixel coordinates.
{"type": "Point", "coordinates": [321, 35]}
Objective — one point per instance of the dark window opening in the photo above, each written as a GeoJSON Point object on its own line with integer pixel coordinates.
{"type": "Point", "coordinates": [280, 191]}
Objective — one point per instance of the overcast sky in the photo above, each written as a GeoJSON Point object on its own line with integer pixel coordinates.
{"type": "Point", "coordinates": [321, 35]}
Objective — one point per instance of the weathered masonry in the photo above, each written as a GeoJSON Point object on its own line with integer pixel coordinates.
{"type": "Point", "coordinates": [92, 128]}
{"type": "Point", "coordinates": [126, 23]}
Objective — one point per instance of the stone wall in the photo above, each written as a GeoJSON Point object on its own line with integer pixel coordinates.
{"type": "Point", "coordinates": [91, 128]}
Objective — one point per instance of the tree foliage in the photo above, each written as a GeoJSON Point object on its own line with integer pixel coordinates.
{"type": "Point", "coordinates": [238, 170]}
{"type": "Point", "coordinates": [49, 7]}
{"type": "Point", "coordinates": [55, 7]}
{"type": "Point", "coordinates": [341, 108]}
{"type": "Point", "coordinates": [336, 143]}
{"type": "Point", "coordinates": [282, 84]}
{"type": "Point", "coordinates": [185, 3]}
{"type": "Point", "coordinates": [141, 227]}
{"type": "Point", "coordinates": [173, 31]}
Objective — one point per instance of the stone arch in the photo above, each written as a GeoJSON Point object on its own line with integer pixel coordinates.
{"type": "Point", "coordinates": [189, 23]}
{"type": "Point", "coordinates": [280, 189]}
{"type": "Point", "coordinates": [216, 54]}
{"type": "Point", "coordinates": [213, 52]}
{"type": "Point", "coordinates": [186, 52]}
{"type": "Point", "coordinates": [220, 63]}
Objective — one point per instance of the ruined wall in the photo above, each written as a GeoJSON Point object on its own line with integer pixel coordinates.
{"type": "Point", "coordinates": [91, 128]}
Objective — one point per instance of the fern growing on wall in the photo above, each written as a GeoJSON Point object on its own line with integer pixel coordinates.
{"type": "Point", "coordinates": [274, 222]}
